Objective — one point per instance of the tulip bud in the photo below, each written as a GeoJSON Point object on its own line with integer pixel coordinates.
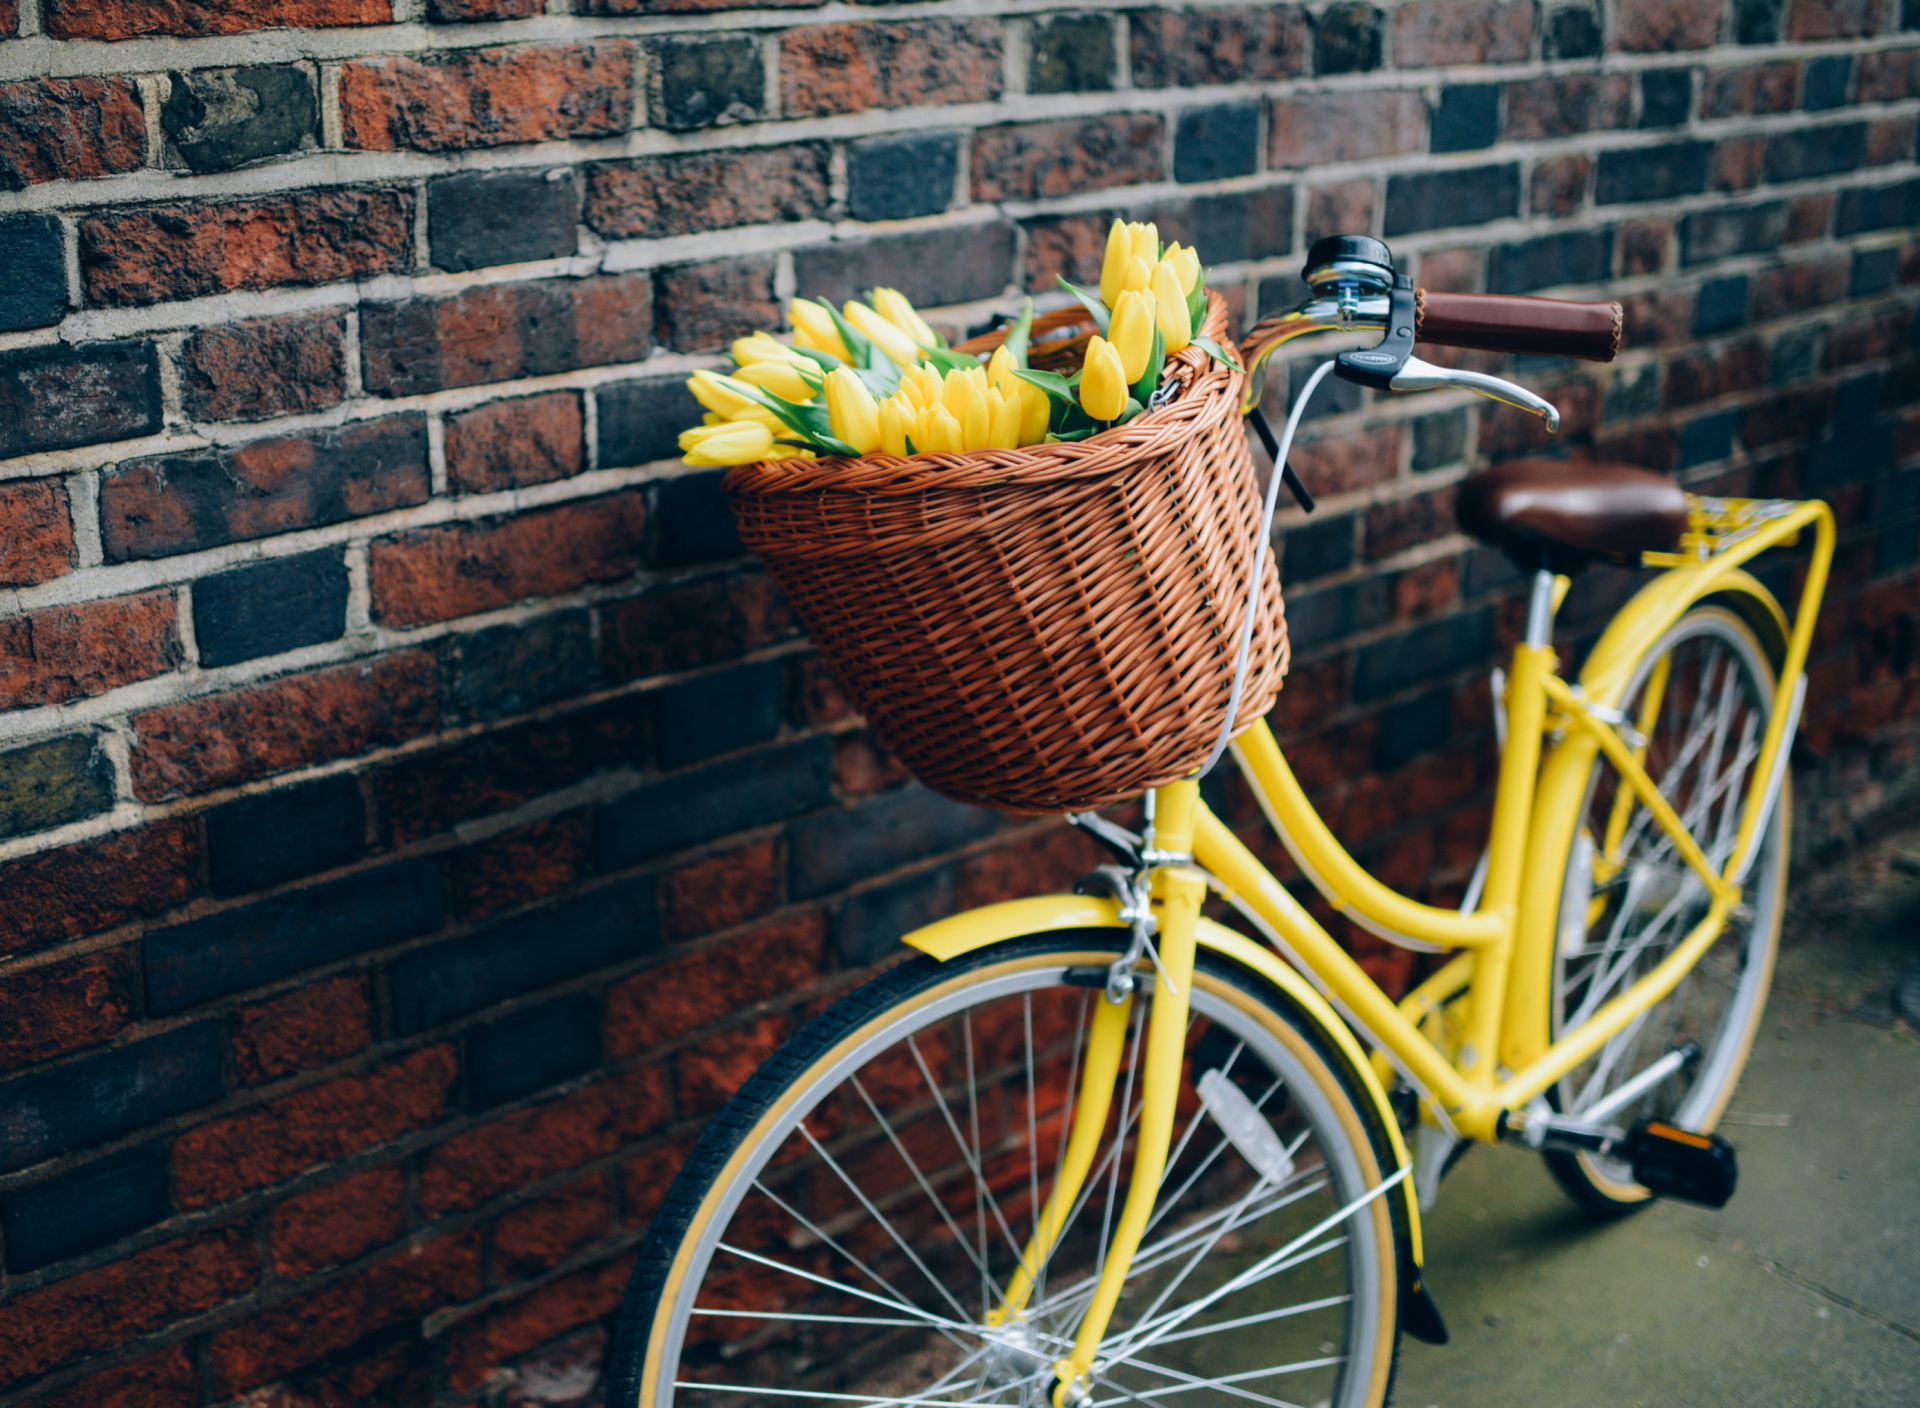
{"type": "Point", "coordinates": [1113, 269]}
{"type": "Point", "coordinates": [1000, 370]}
{"type": "Point", "coordinates": [814, 327]}
{"type": "Point", "coordinates": [921, 387]}
{"type": "Point", "coordinates": [1103, 383]}
{"type": "Point", "coordinates": [892, 305]}
{"type": "Point", "coordinates": [896, 424]}
{"type": "Point", "coordinates": [1003, 420]}
{"type": "Point", "coordinates": [1170, 306]}
{"type": "Point", "coordinates": [1139, 275]}
{"type": "Point", "coordinates": [1131, 333]}
{"type": "Point", "coordinates": [903, 350]}
{"type": "Point", "coordinates": [1186, 263]}
{"type": "Point", "coordinates": [781, 378]}
{"type": "Point", "coordinates": [851, 412]}
{"type": "Point", "coordinates": [940, 433]}
{"type": "Point", "coordinates": [748, 351]}
{"type": "Point", "coordinates": [962, 389]}
{"type": "Point", "coordinates": [1036, 413]}
{"type": "Point", "coordinates": [1145, 240]}
{"type": "Point", "coordinates": [736, 442]}
{"type": "Point", "coordinates": [723, 395]}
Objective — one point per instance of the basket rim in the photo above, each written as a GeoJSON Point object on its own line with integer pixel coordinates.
{"type": "Point", "coordinates": [1205, 384]}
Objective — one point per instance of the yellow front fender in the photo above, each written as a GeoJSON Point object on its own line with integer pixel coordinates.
{"type": "Point", "coordinates": [1015, 919]}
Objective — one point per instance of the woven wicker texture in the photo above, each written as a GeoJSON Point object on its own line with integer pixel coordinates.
{"type": "Point", "coordinates": [1039, 630]}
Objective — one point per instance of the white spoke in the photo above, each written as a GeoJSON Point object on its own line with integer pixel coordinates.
{"type": "Point", "coordinates": [1261, 1318]}
{"type": "Point", "coordinates": [960, 1143]}
{"type": "Point", "coordinates": [798, 1315]}
{"type": "Point", "coordinates": [1187, 1383]}
{"type": "Point", "coordinates": [833, 1397]}
{"type": "Point", "coordinates": [926, 1317]}
{"type": "Point", "coordinates": [821, 1233]}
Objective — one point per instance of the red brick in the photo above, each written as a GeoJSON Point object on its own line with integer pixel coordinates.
{"type": "Point", "coordinates": [1451, 270]}
{"type": "Point", "coordinates": [696, 989]}
{"type": "Point", "coordinates": [68, 129]}
{"type": "Point", "coordinates": [674, 7]}
{"type": "Point", "coordinates": [703, 307]}
{"type": "Point", "coordinates": [1793, 287]}
{"type": "Point", "coordinates": [1342, 209]}
{"type": "Point", "coordinates": [510, 444]}
{"type": "Point", "coordinates": [529, 1145]}
{"type": "Point", "coordinates": [518, 866]}
{"type": "Point", "coordinates": [1035, 866]}
{"type": "Point", "coordinates": [1657, 316]}
{"type": "Point", "coordinates": [1560, 185]}
{"type": "Point", "coordinates": [226, 1157]}
{"type": "Point", "coordinates": [290, 722]}
{"type": "Point", "coordinates": [1430, 33]}
{"type": "Point", "coordinates": [1645, 246]}
{"type": "Point", "coordinates": [466, 11]}
{"type": "Point", "coordinates": [1889, 140]}
{"type": "Point", "coordinates": [267, 367]}
{"type": "Point", "coordinates": [1339, 464]}
{"type": "Point", "coordinates": [1197, 48]}
{"type": "Point", "coordinates": [544, 1233]}
{"type": "Point", "coordinates": [1887, 76]}
{"type": "Point", "coordinates": [387, 1370]}
{"type": "Point", "coordinates": [1866, 339]}
{"type": "Point", "coordinates": [1029, 160]}
{"type": "Point", "coordinates": [1739, 163]}
{"type": "Point", "coordinates": [501, 331]}
{"type": "Point", "coordinates": [9, 18]}
{"type": "Point", "coordinates": [65, 1006]}
{"type": "Point", "coordinates": [1760, 88]}
{"type": "Point", "coordinates": [722, 891]}
{"type": "Point", "coordinates": [127, 19]}
{"type": "Point", "coordinates": [1662, 26]}
{"type": "Point", "coordinates": [1809, 217]}
{"type": "Point", "coordinates": [645, 1178]}
{"type": "Point", "coordinates": [308, 1027]}
{"type": "Point", "coordinates": [487, 97]}
{"type": "Point", "coordinates": [436, 574]}
{"type": "Point", "coordinates": [169, 1379]}
{"type": "Point", "coordinates": [80, 890]}
{"type": "Point", "coordinates": [703, 623]}
{"type": "Point", "coordinates": [1400, 524]}
{"type": "Point", "coordinates": [405, 1286]}
{"type": "Point", "coordinates": [861, 767]}
{"type": "Point", "coordinates": [1505, 432]}
{"type": "Point", "coordinates": [1564, 104]}
{"type": "Point", "coordinates": [36, 536]}
{"type": "Point", "coordinates": [1066, 247]}
{"type": "Point", "coordinates": [104, 1308]}
{"type": "Point", "coordinates": [476, 1346]}
{"type": "Point", "coordinates": [695, 191]}
{"type": "Point", "coordinates": [74, 652]}
{"type": "Point", "coordinates": [339, 1222]}
{"type": "Point", "coordinates": [832, 68]}
{"type": "Point", "coordinates": [822, 698]}
{"type": "Point", "coordinates": [1310, 131]}
{"type": "Point", "coordinates": [152, 253]}
{"type": "Point", "coordinates": [1701, 376]}
{"type": "Point", "coordinates": [711, 1072]}
{"type": "Point", "coordinates": [1426, 590]}
{"type": "Point", "coordinates": [1832, 19]}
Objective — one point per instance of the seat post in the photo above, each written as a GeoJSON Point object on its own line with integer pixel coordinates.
{"type": "Point", "coordinates": [1540, 606]}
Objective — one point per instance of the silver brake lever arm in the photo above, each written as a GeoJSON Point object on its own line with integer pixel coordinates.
{"type": "Point", "coordinates": [1416, 375]}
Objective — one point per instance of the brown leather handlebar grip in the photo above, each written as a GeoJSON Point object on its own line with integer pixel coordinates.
{"type": "Point", "coordinates": [1492, 322]}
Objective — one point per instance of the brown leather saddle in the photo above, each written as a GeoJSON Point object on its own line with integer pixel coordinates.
{"type": "Point", "coordinates": [1566, 513]}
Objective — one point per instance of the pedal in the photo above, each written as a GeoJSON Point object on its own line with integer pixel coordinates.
{"type": "Point", "coordinates": [1677, 1163]}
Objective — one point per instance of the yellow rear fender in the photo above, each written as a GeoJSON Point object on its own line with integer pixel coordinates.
{"type": "Point", "coordinates": [1663, 601]}
{"type": "Point", "coordinates": [1016, 919]}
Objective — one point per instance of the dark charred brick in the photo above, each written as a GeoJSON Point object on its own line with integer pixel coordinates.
{"type": "Point", "coordinates": [683, 626]}
{"type": "Point", "coordinates": [657, 197]}
{"type": "Point", "coordinates": [1756, 21]}
{"type": "Point", "coordinates": [1439, 440]}
{"type": "Point", "coordinates": [1438, 648]}
{"type": "Point", "coordinates": [718, 713]}
{"type": "Point", "coordinates": [1434, 200]}
{"type": "Point", "coordinates": [182, 503]}
{"type": "Point", "coordinates": [1706, 439]}
{"type": "Point", "coordinates": [49, 784]}
{"type": "Point", "coordinates": [869, 925]}
{"type": "Point", "coordinates": [1866, 208]}
{"type": "Point", "coordinates": [703, 307]}
{"type": "Point", "coordinates": [641, 421]}
{"type": "Point", "coordinates": [1652, 173]}
{"type": "Point", "coordinates": [1573, 257]}
{"type": "Point", "coordinates": [1717, 234]}
{"type": "Point", "coordinates": [899, 177]}
{"type": "Point", "coordinates": [33, 272]}
{"type": "Point", "coordinates": [701, 79]}
{"type": "Point", "coordinates": [99, 1097]}
{"type": "Point", "coordinates": [1228, 227]}
{"type": "Point", "coordinates": [1410, 729]}
{"type": "Point", "coordinates": [1317, 548]}
{"type": "Point", "coordinates": [242, 948]}
{"type": "Point", "coordinates": [764, 786]}
{"type": "Point", "coordinates": [1467, 118]}
{"type": "Point", "coordinates": [692, 522]}
{"type": "Point", "coordinates": [931, 267]}
{"type": "Point", "coordinates": [270, 607]}
{"type": "Point", "coordinates": [468, 11]}
{"type": "Point", "coordinates": [53, 398]}
{"type": "Point", "coordinates": [1034, 160]}
{"type": "Point", "coordinates": [1347, 39]}
{"type": "Point", "coordinates": [516, 442]}
{"type": "Point", "coordinates": [1666, 97]}
{"type": "Point", "coordinates": [1071, 54]}
{"type": "Point", "coordinates": [1722, 305]}
{"type": "Point", "coordinates": [512, 669]}
{"type": "Point", "coordinates": [434, 985]}
{"type": "Point", "coordinates": [266, 840]}
{"type": "Point", "coordinates": [1874, 271]}
{"type": "Point", "coordinates": [481, 218]}
{"type": "Point", "coordinates": [220, 118]}
{"type": "Point", "coordinates": [1213, 143]}
{"type": "Point", "coordinates": [1816, 151]}
{"type": "Point", "coordinates": [499, 332]}
{"type": "Point", "coordinates": [829, 852]}
{"type": "Point", "coordinates": [1199, 48]}
{"type": "Point", "coordinates": [84, 1208]}
{"type": "Point", "coordinates": [531, 1049]}
{"type": "Point", "coordinates": [1824, 83]}
{"type": "Point", "coordinates": [1333, 613]}
{"type": "Point", "coordinates": [1573, 33]}
{"type": "Point", "coordinates": [267, 367]}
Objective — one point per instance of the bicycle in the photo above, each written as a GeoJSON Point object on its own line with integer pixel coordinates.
{"type": "Point", "coordinates": [1099, 1148]}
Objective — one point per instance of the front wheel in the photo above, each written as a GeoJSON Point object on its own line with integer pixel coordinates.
{"type": "Point", "coordinates": [847, 1229]}
{"type": "Point", "coordinates": [1701, 696]}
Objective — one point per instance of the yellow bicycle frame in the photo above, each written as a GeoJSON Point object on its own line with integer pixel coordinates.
{"type": "Point", "coordinates": [1505, 945]}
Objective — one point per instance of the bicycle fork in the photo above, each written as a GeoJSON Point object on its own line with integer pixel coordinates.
{"type": "Point", "coordinates": [1176, 894]}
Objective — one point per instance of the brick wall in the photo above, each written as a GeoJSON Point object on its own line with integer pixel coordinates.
{"type": "Point", "coordinates": [415, 813]}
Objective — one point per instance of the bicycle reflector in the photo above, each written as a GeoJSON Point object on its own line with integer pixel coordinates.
{"type": "Point", "coordinates": [1677, 1163]}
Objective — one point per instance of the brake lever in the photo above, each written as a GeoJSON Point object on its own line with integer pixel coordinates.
{"type": "Point", "coordinates": [1416, 375]}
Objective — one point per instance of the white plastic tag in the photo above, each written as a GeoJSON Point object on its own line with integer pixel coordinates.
{"type": "Point", "coordinates": [1245, 1127]}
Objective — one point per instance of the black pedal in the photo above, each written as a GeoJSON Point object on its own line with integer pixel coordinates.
{"type": "Point", "coordinates": [1677, 1163]}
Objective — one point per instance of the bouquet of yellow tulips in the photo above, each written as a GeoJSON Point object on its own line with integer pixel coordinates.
{"type": "Point", "coordinates": [874, 378]}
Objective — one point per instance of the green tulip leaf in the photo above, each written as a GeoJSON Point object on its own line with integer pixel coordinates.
{"type": "Point", "coordinates": [857, 342]}
{"type": "Point", "coordinates": [1020, 336]}
{"type": "Point", "coordinates": [1218, 353]}
{"type": "Point", "coordinates": [1092, 303]}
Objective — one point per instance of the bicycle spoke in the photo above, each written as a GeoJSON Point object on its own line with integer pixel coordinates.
{"type": "Point", "coordinates": [927, 1317]}
{"type": "Point", "coordinates": [1188, 1383]}
{"type": "Point", "coordinates": [960, 1143]}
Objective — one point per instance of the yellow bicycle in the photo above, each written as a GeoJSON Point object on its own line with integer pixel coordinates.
{"type": "Point", "coordinates": [1100, 1148]}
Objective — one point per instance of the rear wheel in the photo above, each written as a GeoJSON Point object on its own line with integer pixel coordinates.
{"type": "Point", "coordinates": [847, 1228]}
{"type": "Point", "coordinates": [1702, 696]}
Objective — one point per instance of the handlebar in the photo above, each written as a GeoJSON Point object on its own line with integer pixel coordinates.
{"type": "Point", "coordinates": [1492, 322]}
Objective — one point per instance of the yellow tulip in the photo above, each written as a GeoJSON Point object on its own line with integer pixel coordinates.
{"type": "Point", "coordinates": [940, 433]}
{"type": "Point", "coordinates": [851, 412]}
{"type": "Point", "coordinates": [1113, 268]}
{"type": "Point", "coordinates": [889, 339]}
{"type": "Point", "coordinates": [1131, 332]}
{"type": "Point", "coordinates": [1103, 385]}
{"type": "Point", "coordinates": [961, 390]}
{"type": "Point", "coordinates": [1170, 305]}
{"type": "Point", "coordinates": [1000, 370]}
{"type": "Point", "coordinates": [1139, 276]}
{"type": "Point", "coordinates": [748, 351]}
{"type": "Point", "coordinates": [1036, 412]}
{"type": "Point", "coordinates": [1145, 240]}
{"type": "Point", "coordinates": [1003, 419]}
{"type": "Point", "coordinates": [892, 305]}
{"type": "Point", "coordinates": [1186, 264]}
{"type": "Point", "coordinates": [897, 421]}
{"type": "Point", "coordinates": [734, 443]}
{"type": "Point", "coordinates": [921, 387]}
{"type": "Point", "coordinates": [723, 394]}
{"type": "Point", "coordinates": [813, 326]}
{"type": "Point", "coordinates": [781, 378]}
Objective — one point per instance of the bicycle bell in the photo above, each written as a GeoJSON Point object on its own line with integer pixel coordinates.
{"type": "Point", "coordinates": [1347, 268]}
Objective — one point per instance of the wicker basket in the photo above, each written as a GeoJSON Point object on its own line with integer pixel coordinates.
{"type": "Point", "coordinates": [1039, 630]}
